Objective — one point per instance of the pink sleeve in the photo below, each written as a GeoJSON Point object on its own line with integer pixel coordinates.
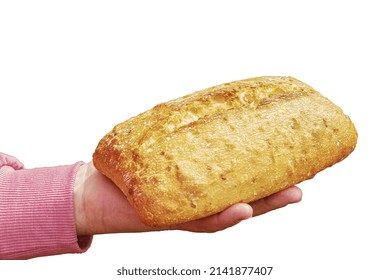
{"type": "Point", "coordinates": [36, 211]}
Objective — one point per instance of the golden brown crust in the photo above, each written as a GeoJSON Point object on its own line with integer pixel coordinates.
{"type": "Point", "coordinates": [196, 155]}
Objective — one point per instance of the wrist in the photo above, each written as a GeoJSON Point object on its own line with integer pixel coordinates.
{"type": "Point", "coordinates": [78, 199]}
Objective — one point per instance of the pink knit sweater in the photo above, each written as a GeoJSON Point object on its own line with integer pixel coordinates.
{"type": "Point", "coordinates": [36, 211]}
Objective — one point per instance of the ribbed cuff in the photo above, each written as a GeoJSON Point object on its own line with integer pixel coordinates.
{"type": "Point", "coordinates": [37, 212]}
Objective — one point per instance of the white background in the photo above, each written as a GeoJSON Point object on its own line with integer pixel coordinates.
{"type": "Point", "coordinates": [71, 70]}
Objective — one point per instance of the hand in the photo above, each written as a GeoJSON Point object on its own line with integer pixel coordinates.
{"type": "Point", "coordinates": [100, 207]}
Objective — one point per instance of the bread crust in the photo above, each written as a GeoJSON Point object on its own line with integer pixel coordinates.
{"type": "Point", "coordinates": [237, 142]}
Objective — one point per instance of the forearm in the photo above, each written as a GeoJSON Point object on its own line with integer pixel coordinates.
{"type": "Point", "coordinates": [36, 211]}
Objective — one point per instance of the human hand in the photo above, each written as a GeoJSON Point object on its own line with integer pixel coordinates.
{"type": "Point", "coordinates": [100, 207]}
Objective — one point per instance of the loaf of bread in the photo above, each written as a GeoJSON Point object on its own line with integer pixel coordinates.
{"type": "Point", "coordinates": [237, 142]}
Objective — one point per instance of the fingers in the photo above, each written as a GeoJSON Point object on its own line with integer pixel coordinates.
{"type": "Point", "coordinates": [242, 211]}
{"type": "Point", "coordinates": [276, 200]}
{"type": "Point", "coordinates": [225, 219]}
